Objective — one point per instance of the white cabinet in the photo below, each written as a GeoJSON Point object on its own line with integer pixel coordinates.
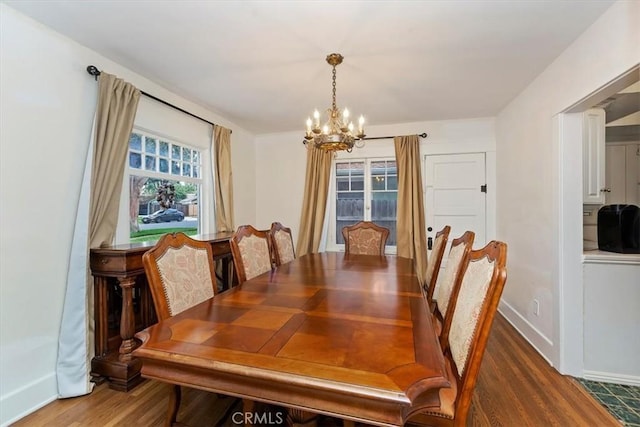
{"type": "Point", "coordinates": [622, 175]}
{"type": "Point", "coordinates": [593, 157]}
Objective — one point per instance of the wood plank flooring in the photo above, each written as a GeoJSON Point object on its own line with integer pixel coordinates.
{"type": "Point", "coordinates": [516, 387]}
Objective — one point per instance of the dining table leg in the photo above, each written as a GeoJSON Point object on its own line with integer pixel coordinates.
{"type": "Point", "coordinates": [300, 418]}
{"type": "Point", "coordinates": [174, 404]}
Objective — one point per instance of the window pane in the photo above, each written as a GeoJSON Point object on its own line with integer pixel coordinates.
{"type": "Point", "coordinates": [150, 145]}
{"type": "Point", "coordinates": [135, 160]}
{"type": "Point", "coordinates": [357, 169]}
{"type": "Point", "coordinates": [164, 148]}
{"type": "Point", "coordinates": [357, 183]}
{"type": "Point", "coordinates": [175, 152]}
{"type": "Point", "coordinates": [149, 221]}
{"type": "Point", "coordinates": [150, 163]}
{"type": "Point", "coordinates": [186, 154]}
{"type": "Point", "coordinates": [135, 142]}
{"type": "Point", "coordinates": [384, 210]}
{"type": "Point", "coordinates": [349, 210]}
{"type": "Point", "coordinates": [164, 165]}
{"type": "Point", "coordinates": [175, 167]}
{"type": "Point", "coordinates": [186, 169]}
{"type": "Point", "coordinates": [196, 171]}
{"type": "Point", "coordinates": [377, 182]}
{"type": "Point", "coordinates": [342, 184]}
{"type": "Point", "coordinates": [196, 156]}
{"type": "Point", "coordinates": [392, 182]}
{"type": "Point", "coordinates": [377, 166]}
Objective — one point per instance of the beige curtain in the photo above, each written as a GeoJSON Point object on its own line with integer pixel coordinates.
{"type": "Point", "coordinates": [411, 232]}
{"type": "Point", "coordinates": [223, 179]}
{"type": "Point", "coordinates": [316, 189]}
{"type": "Point", "coordinates": [96, 220]}
{"type": "Point", "coordinates": [117, 105]}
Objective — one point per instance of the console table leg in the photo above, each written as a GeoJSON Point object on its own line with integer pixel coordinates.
{"type": "Point", "coordinates": [127, 321]}
{"type": "Point", "coordinates": [101, 315]}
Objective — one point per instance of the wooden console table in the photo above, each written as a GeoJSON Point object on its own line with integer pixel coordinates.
{"type": "Point", "coordinates": [118, 274]}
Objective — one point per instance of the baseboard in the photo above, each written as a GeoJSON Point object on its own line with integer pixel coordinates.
{"type": "Point", "coordinates": [608, 377]}
{"type": "Point", "coordinates": [537, 339]}
{"type": "Point", "coordinates": [19, 403]}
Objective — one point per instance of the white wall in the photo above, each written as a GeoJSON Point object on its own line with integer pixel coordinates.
{"type": "Point", "coordinates": [47, 104]}
{"type": "Point", "coordinates": [531, 173]}
{"type": "Point", "coordinates": [281, 165]}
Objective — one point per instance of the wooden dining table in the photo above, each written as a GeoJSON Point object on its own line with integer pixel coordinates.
{"type": "Point", "coordinates": [348, 336]}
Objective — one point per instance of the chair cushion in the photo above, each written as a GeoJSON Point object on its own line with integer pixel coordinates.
{"type": "Point", "coordinates": [364, 241]}
{"type": "Point", "coordinates": [445, 284]}
{"type": "Point", "coordinates": [464, 323]}
{"type": "Point", "coordinates": [255, 256]}
{"type": "Point", "coordinates": [284, 246]}
{"type": "Point", "coordinates": [431, 263]}
{"type": "Point", "coordinates": [186, 278]}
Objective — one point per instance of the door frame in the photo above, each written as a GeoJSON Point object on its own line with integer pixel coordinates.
{"type": "Point", "coordinates": [568, 355]}
{"type": "Point", "coordinates": [484, 146]}
{"type": "Point", "coordinates": [484, 182]}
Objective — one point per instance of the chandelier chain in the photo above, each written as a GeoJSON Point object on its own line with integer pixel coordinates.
{"type": "Point", "coordinates": [334, 89]}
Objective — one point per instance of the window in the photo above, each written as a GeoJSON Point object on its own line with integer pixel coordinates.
{"type": "Point", "coordinates": [164, 187]}
{"type": "Point", "coordinates": [366, 190]}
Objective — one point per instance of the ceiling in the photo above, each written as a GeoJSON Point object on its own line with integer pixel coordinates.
{"type": "Point", "coordinates": [261, 64]}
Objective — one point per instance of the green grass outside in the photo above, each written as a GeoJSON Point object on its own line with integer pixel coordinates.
{"type": "Point", "coordinates": [154, 235]}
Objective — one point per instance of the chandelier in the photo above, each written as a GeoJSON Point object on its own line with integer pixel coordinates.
{"type": "Point", "coordinates": [337, 133]}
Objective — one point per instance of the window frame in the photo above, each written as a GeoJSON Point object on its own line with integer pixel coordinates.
{"type": "Point", "coordinates": [122, 232]}
{"type": "Point", "coordinates": [331, 244]}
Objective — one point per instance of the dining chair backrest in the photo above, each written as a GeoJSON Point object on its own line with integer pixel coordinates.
{"type": "Point", "coordinates": [180, 273]}
{"type": "Point", "coordinates": [464, 340]}
{"type": "Point", "coordinates": [365, 238]}
{"type": "Point", "coordinates": [282, 242]}
{"type": "Point", "coordinates": [435, 260]}
{"type": "Point", "coordinates": [445, 286]}
{"type": "Point", "coordinates": [251, 250]}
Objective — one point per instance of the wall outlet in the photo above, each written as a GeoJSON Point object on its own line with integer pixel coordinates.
{"type": "Point", "coordinates": [536, 307]}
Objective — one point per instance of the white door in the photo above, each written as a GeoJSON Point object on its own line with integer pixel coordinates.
{"type": "Point", "coordinates": [455, 195]}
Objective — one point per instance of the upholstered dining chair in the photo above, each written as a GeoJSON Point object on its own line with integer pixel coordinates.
{"type": "Point", "coordinates": [282, 244]}
{"type": "Point", "coordinates": [251, 250]}
{"type": "Point", "coordinates": [464, 340]}
{"type": "Point", "coordinates": [435, 260]}
{"type": "Point", "coordinates": [365, 238]}
{"type": "Point", "coordinates": [446, 285]}
{"type": "Point", "coordinates": [181, 274]}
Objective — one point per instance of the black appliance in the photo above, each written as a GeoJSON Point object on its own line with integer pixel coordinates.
{"type": "Point", "coordinates": [619, 229]}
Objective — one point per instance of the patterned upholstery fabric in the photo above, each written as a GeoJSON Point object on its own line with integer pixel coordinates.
{"type": "Point", "coordinates": [186, 278]}
{"type": "Point", "coordinates": [437, 244]}
{"type": "Point", "coordinates": [284, 246]}
{"type": "Point", "coordinates": [464, 323]}
{"type": "Point", "coordinates": [444, 287]}
{"type": "Point", "coordinates": [364, 242]}
{"type": "Point", "coordinates": [255, 256]}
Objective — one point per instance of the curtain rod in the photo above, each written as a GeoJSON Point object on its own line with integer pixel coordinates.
{"type": "Point", "coordinates": [93, 70]}
{"type": "Point", "coordinates": [422, 135]}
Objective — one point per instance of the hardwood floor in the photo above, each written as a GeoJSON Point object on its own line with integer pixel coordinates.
{"type": "Point", "coordinates": [516, 387]}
